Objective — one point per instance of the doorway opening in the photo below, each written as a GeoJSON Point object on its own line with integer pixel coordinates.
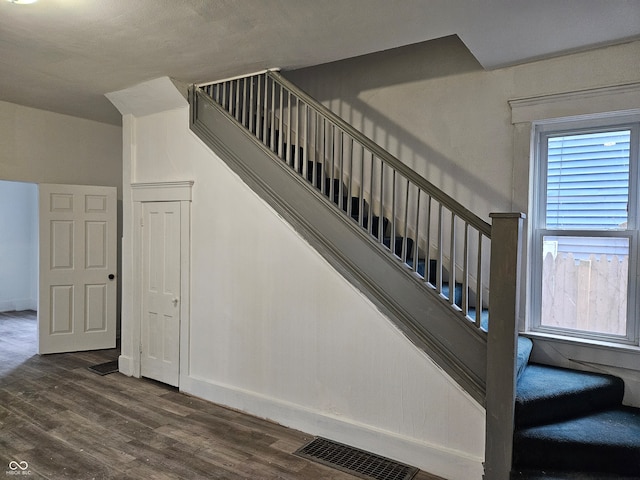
{"type": "Point", "coordinates": [18, 246]}
{"type": "Point", "coordinates": [58, 261]}
{"type": "Point", "coordinates": [18, 273]}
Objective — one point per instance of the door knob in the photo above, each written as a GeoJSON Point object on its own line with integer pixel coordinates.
{"type": "Point", "coordinates": [175, 302]}
{"type": "Point", "coordinates": [111, 276]}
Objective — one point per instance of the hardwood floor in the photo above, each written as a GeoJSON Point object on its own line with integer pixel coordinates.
{"type": "Point", "coordinates": [66, 422]}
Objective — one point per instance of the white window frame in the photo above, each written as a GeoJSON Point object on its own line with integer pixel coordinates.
{"type": "Point", "coordinates": [543, 130]}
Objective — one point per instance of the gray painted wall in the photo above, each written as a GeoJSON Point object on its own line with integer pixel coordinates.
{"type": "Point", "coordinates": [434, 107]}
{"type": "Point", "coordinates": [43, 147]}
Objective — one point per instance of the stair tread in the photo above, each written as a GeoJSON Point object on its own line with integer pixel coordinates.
{"type": "Point", "coordinates": [617, 427]}
{"type": "Point", "coordinates": [546, 394]}
{"type": "Point", "coordinates": [471, 312]}
{"type": "Point", "coordinates": [484, 317]}
{"type": "Point", "coordinates": [398, 245]}
{"type": "Point", "coordinates": [606, 441]}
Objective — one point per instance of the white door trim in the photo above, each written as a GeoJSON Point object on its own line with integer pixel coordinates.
{"type": "Point", "coordinates": [162, 192]}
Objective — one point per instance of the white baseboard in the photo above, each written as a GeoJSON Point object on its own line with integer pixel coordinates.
{"type": "Point", "coordinates": [126, 365]}
{"type": "Point", "coordinates": [447, 463]}
{"type": "Point", "coordinates": [18, 305]}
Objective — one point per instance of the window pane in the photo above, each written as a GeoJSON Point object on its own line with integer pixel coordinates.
{"type": "Point", "coordinates": [584, 283]}
{"type": "Point", "coordinates": [588, 181]}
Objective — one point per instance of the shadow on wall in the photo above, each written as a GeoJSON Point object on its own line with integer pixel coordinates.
{"type": "Point", "coordinates": [341, 84]}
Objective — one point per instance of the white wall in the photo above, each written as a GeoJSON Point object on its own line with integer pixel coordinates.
{"type": "Point", "coordinates": [277, 332]}
{"type": "Point", "coordinates": [44, 147]}
{"type": "Point", "coordinates": [18, 246]}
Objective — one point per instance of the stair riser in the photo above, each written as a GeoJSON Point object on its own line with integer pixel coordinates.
{"type": "Point", "coordinates": [577, 457]}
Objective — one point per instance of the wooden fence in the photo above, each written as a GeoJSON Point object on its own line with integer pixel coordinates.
{"type": "Point", "coordinates": [589, 295]}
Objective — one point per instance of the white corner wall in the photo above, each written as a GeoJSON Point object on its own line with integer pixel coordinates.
{"type": "Point", "coordinates": [278, 333]}
{"type": "Point", "coordinates": [18, 246]}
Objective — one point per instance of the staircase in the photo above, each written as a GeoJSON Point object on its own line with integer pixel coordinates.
{"type": "Point", "coordinates": [572, 425]}
{"type": "Point", "coordinates": [423, 259]}
{"type": "Point", "coordinates": [419, 255]}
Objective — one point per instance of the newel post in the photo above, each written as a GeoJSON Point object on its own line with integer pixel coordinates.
{"type": "Point", "coordinates": [506, 248]}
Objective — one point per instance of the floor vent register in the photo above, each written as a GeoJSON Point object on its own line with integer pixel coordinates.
{"type": "Point", "coordinates": [354, 461]}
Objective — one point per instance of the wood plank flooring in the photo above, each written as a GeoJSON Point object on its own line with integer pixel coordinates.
{"type": "Point", "coordinates": [66, 422]}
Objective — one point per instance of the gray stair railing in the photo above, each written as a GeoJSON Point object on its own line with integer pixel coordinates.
{"type": "Point", "coordinates": [441, 244]}
{"type": "Point", "coordinates": [440, 241]}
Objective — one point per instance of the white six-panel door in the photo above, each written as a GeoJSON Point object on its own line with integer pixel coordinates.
{"type": "Point", "coordinates": [77, 269]}
{"type": "Point", "coordinates": [160, 335]}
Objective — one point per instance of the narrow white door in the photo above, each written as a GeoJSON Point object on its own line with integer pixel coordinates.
{"type": "Point", "coordinates": [77, 285]}
{"type": "Point", "coordinates": [160, 334]}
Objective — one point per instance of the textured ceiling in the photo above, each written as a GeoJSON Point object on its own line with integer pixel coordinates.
{"type": "Point", "coordinates": [64, 55]}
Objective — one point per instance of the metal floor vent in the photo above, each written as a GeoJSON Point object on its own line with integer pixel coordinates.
{"type": "Point", "coordinates": [105, 368]}
{"type": "Point", "coordinates": [356, 462]}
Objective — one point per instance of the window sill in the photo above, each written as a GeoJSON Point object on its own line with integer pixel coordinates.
{"type": "Point", "coordinates": [560, 350]}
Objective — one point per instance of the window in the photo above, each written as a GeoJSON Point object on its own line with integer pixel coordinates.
{"type": "Point", "coordinates": [585, 229]}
